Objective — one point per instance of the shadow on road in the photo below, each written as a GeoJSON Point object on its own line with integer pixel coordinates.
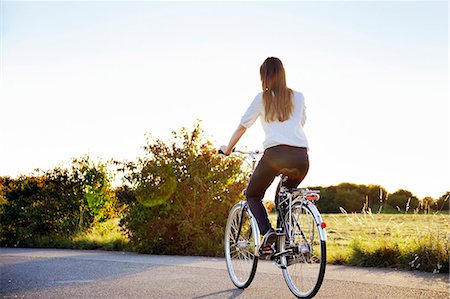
{"type": "Point", "coordinates": [34, 273]}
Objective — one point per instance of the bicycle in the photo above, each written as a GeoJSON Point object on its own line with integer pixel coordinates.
{"type": "Point", "coordinates": [300, 249]}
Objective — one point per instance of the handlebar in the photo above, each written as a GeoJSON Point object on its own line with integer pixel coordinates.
{"type": "Point", "coordinates": [250, 153]}
{"type": "Point", "coordinates": [220, 151]}
{"type": "Point", "coordinates": [256, 152]}
{"type": "Point", "coordinates": [253, 155]}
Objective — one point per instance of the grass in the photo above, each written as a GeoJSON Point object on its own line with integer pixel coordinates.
{"type": "Point", "coordinates": [105, 235]}
{"type": "Point", "coordinates": [408, 241]}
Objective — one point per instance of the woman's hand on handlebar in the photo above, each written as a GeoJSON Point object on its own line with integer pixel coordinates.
{"type": "Point", "coordinates": [223, 150]}
{"type": "Point", "coordinates": [228, 149]}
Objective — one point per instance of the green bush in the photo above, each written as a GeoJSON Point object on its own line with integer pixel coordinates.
{"type": "Point", "coordinates": [179, 195]}
{"type": "Point", "coordinates": [38, 209]}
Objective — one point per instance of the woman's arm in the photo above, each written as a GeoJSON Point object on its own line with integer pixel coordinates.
{"type": "Point", "coordinates": [247, 120]}
{"type": "Point", "coordinates": [233, 140]}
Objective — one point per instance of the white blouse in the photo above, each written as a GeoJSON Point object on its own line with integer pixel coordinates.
{"type": "Point", "coordinates": [289, 132]}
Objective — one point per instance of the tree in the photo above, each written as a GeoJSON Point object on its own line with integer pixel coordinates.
{"type": "Point", "coordinates": [403, 201]}
{"type": "Point", "coordinates": [350, 197]}
{"type": "Point", "coordinates": [327, 202]}
{"type": "Point", "coordinates": [443, 203]}
{"type": "Point", "coordinates": [426, 203]}
{"type": "Point", "coordinates": [376, 196]}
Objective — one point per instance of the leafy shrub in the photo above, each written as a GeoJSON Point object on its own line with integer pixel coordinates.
{"type": "Point", "coordinates": [99, 202]}
{"type": "Point", "coordinates": [179, 195]}
{"type": "Point", "coordinates": [39, 208]}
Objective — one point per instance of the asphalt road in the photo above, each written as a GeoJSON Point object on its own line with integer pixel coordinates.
{"type": "Point", "coordinates": [56, 273]}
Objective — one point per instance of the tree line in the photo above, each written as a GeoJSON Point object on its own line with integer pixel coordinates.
{"type": "Point", "coordinates": [374, 198]}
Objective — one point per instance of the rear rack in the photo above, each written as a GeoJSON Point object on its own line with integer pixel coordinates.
{"type": "Point", "coordinates": [308, 194]}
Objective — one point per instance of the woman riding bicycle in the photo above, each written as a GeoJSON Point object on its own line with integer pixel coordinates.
{"type": "Point", "coordinates": [282, 114]}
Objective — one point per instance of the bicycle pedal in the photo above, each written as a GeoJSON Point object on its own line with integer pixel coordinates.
{"type": "Point", "coordinates": [266, 253]}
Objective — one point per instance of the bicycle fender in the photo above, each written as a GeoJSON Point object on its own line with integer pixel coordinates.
{"type": "Point", "coordinates": [318, 218]}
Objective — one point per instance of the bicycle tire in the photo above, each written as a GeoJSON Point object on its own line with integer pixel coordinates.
{"type": "Point", "coordinates": [305, 269]}
{"type": "Point", "coordinates": [240, 252]}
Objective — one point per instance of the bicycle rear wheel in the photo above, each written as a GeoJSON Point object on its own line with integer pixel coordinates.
{"type": "Point", "coordinates": [306, 264]}
{"type": "Point", "coordinates": [240, 246]}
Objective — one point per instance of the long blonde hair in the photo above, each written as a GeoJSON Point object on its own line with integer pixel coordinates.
{"type": "Point", "coordinates": [277, 97]}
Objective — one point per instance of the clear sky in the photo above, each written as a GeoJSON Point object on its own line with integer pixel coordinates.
{"type": "Point", "coordinates": [93, 77]}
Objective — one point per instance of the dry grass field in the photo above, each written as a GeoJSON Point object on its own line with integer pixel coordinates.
{"type": "Point", "coordinates": [409, 241]}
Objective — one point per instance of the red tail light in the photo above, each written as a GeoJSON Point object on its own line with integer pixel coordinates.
{"type": "Point", "coordinates": [323, 225]}
{"type": "Point", "coordinates": [314, 197]}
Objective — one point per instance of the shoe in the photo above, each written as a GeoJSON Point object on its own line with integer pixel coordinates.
{"type": "Point", "coordinates": [267, 243]}
{"type": "Point", "coordinates": [269, 238]}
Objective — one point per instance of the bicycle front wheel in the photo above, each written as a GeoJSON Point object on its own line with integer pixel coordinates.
{"type": "Point", "coordinates": [306, 264]}
{"type": "Point", "coordinates": [240, 246]}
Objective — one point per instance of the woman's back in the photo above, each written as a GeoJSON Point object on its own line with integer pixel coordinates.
{"type": "Point", "coordinates": [288, 132]}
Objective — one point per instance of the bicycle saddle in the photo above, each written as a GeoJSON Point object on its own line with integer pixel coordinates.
{"type": "Point", "coordinates": [291, 173]}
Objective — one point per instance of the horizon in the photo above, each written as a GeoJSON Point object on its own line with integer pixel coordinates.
{"type": "Point", "coordinates": [93, 78]}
